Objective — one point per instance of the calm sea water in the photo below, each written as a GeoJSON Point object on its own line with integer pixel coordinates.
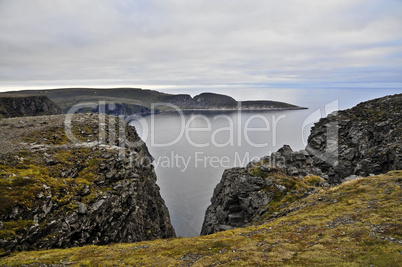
{"type": "Point", "coordinates": [192, 149]}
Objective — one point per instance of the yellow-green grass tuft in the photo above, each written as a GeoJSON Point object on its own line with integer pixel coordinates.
{"type": "Point", "coordinates": [353, 224]}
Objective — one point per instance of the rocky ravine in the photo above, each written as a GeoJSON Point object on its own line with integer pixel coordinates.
{"type": "Point", "coordinates": [368, 141]}
{"type": "Point", "coordinates": [12, 105]}
{"type": "Point", "coordinates": [55, 193]}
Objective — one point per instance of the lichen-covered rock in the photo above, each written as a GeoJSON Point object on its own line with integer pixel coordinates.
{"type": "Point", "coordinates": [58, 192]}
{"type": "Point", "coordinates": [235, 201]}
{"type": "Point", "coordinates": [293, 163]}
{"type": "Point", "coordinates": [245, 196]}
{"type": "Point", "coordinates": [368, 140]}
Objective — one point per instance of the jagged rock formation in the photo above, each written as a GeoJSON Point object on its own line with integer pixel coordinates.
{"type": "Point", "coordinates": [61, 188]}
{"type": "Point", "coordinates": [367, 140]}
{"type": "Point", "coordinates": [248, 195]}
{"type": "Point", "coordinates": [139, 101]}
{"type": "Point", "coordinates": [26, 105]}
{"type": "Point", "coordinates": [293, 163]}
{"type": "Point", "coordinates": [236, 199]}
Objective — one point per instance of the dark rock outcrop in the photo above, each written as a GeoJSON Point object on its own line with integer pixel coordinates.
{"type": "Point", "coordinates": [206, 100]}
{"type": "Point", "coordinates": [28, 105]}
{"type": "Point", "coordinates": [60, 190]}
{"type": "Point", "coordinates": [245, 195]}
{"type": "Point", "coordinates": [223, 102]}
{"type": "Point", "coordinates": [360, 141]}
{"type": "Point", "coordinates": [235, 201]}
{"type": "Point", "coordinates": [201, 101]}
{"type": "Point", "coordinates": [293, 163]}
{"type": "Point", "coordinates": [367, 140]}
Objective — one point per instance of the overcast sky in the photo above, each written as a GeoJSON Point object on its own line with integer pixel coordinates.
{"type": "Point", "coordinates": [200, 43]}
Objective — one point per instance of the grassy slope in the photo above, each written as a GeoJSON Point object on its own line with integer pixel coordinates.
{"type": "Point", "coordinates": [357, 223]}
{"type": "Point", "coordinates": [21, 180]}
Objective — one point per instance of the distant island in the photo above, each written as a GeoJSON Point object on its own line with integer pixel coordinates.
{"type": "Point", "coordinates": [139, 101]}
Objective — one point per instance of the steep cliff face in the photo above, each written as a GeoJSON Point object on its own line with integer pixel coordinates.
{"type": "Point", "coordinates": [21, 106]}
{"type": "Point", "coordinates": [218, 101]}
{"type": "Point", "coordinates": [236, 199]}
{"type": "Point", "coordinates": [261, 190]}
{"type": "Point", "coordinates": [367, 140]}
{"type": "Point", "coordinates": [58, 193]}
{"type": "Point", "coordinates": [215, 100]}
{"type": "Point", "coordinates": [202, 101]}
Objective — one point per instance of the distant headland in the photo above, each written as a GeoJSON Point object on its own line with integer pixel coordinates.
{"type": "Point", "coordinates": [142, 101]}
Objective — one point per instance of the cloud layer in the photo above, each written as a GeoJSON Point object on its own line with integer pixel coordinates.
{"type": "Point", "coordinates": [170, 43]}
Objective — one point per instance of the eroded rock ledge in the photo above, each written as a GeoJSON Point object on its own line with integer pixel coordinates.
{"type": "Point", "coordinates": [56, 194]}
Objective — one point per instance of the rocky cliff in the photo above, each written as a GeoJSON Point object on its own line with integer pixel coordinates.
{"type": "Point", "coordinates": [262, 190]}
{"type": "Point", "coordinates": [368, 140]}
{"type": "Point", "coordinates": [26, 105]}
{"type": "Point", "coordinates": [360, 141]}
{"type": "Point", "coordinates": [88, 183]}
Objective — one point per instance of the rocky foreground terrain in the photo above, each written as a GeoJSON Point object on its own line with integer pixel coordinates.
{"type": "Point", "coordinates": [356, 223]}
{"type": "Point", "coordinates": [59, 192]}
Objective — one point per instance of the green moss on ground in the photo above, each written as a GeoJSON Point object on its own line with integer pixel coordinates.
{"type": "Point", "coordinates": [11, 229]}
{"type": "Point", "coordinates": [312, 180]}
{"type": "Point", "coordinates": [285, 189]}
{"type": "Point", "coordinates": [26, 180]}
{"type": "Point", "coordinates": [357, 223]}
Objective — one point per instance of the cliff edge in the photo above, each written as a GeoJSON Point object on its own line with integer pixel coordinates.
{"type": "Point", "coordinates": [64, 186]}
{"type": "Point", "coordinates": [368, 140]}
{"type": "Point", "coordinates": [361, 141]}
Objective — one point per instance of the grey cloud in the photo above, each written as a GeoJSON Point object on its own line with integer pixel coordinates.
{"type": "Point", "coordinates": [199, 42]}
